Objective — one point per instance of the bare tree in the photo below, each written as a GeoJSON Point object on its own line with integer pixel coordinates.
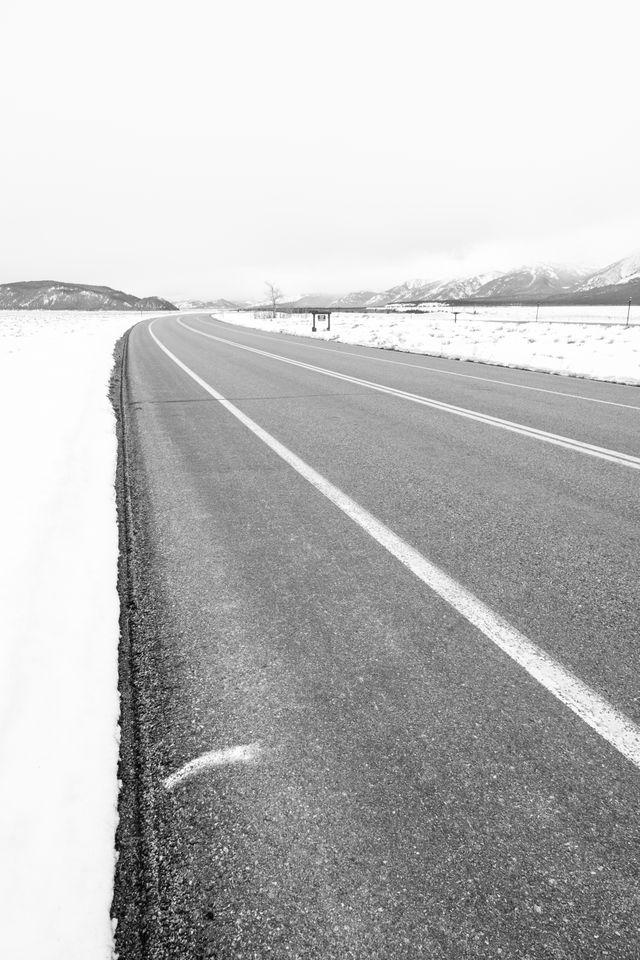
{"type": "Point", "coordinates": [275, 296]}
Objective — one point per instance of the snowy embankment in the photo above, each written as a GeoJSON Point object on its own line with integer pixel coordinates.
{"type": "Point", "coordinates": [59, 653]}
{"type": "Point", "coordinates": [581, 342]}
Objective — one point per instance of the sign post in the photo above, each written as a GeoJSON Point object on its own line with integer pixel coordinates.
{"type": "Point", "coordinates": [322, 315]}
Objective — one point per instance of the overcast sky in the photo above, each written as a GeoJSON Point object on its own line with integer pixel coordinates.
{"type": "Point", "coordinates": [193, 149]}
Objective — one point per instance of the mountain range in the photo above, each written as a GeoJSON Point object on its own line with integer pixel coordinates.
{"type": "Point", "coordinates": [56, 295]}
{"type": "Point", "coordinates": [613, 284]}
{"type": "Point", "coordinates": [220, 304]}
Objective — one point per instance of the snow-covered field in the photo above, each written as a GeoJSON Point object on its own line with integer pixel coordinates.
{"type": "Point", "coordinates": [525, 314]}
{"type": "Point", "coordinates": [58, 658]}
{"type": "Point", "coordinates": [583, 342]}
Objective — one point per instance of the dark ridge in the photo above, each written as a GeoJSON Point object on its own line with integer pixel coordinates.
{"type": "Point", "coordinates": [58, 295]}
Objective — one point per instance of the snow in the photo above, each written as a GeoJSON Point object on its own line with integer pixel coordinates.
{"type": "Point", "coordinates": [622, 271]}
{"type": "Point", "coordinates": [58, 660]}
{"type": "Point", "coordinates": [543, 277]}
{"type": "Point", "coordinates": [588, 342]}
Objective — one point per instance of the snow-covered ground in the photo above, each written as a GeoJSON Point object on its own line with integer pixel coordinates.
{"type": "Point", "coordinates": [583, 342]}
{"type": "Point", "coordinates": [543, 313]}
{"type": "Point", "coordinates": [58, 659]}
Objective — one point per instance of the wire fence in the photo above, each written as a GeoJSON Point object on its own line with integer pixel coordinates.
{"type": "Point", "coordinates": [610, 316]}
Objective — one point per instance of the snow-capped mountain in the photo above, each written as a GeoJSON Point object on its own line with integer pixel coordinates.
{"type": "Point", "coordinates": [528, 282]}
{"type": "Point", "coordinates": [359, 298]}
{"type": "Point", "coordinates": [55, 295]}
{"type": "Point", "coordinates": [405, 292]}
{"type": "Point", "coordinates": [622, 271]}
{"type": "Point", "coordinates": [421, 291]}
{"type": "Point", "coordinates": [220, 304]}
{"type": "Point", "coordinates": [460, 288]}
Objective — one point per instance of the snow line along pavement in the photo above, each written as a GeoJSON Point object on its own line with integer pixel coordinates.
{"type": "Point", "coordinates": [578, 446]}
{"type": "Point", "coordinates": [612, 725]}
{"type": "Point", "coordinates": [572, 348]}
{"type": "Point", "coordinates": [59, 657]}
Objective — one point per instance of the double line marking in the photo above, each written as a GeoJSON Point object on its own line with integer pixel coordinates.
{"type": "Point", "coordinates": [577, 446]}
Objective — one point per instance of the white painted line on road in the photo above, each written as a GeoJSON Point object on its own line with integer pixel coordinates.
{"type": "Point", "coordinates": [585, 702]}
{"type": "Point", "coordinates": [423, 366]}
{"type": "Point", "coordinates": [214, 758]}
{"type": "Point", "coordinates": [578, 446]}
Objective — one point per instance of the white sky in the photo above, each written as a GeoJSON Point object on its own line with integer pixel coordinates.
{"type": "Point", "coordinates": [198, 148]}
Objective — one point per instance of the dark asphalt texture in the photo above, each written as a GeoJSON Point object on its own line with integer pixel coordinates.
{"type": "Point", "coordinates": [417, 793]}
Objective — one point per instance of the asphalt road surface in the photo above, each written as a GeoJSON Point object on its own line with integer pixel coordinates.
{"type": "Point", "coordinates": [380, 686]}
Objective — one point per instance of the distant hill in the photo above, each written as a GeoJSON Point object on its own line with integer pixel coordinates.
{"type": "Point", "coordinates": [220, 304]}
{"type": "Point", "coordinates": [55, 295]}
{"type": "Point", "coordinates": [359, 298]}
{"type": "Point", "coordinates": [314, 300]}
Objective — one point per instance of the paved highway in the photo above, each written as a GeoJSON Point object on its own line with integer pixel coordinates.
{"type": "Point", "coordinates": [381, 692]}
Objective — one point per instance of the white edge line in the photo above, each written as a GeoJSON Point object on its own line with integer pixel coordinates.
{"type": "Point", "coordinates": [421, 366]}
{"type": "Point", "coordinates": [214, 758]}
{"type": "Point", "coordinates": [579, 446]}
{"type": "Point", "coordinates": [611, 724]}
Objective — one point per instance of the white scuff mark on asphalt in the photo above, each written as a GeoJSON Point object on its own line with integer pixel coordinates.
{"type": "Point", "coordinates": [609, 722]}
{"type": "Point", "coordinates": [568, 443]}
{"type": "Point", "coordinates": [245, 753]}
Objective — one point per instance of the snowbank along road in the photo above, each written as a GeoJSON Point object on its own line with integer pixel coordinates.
{"type": "Point", "coordinates": [380, 657]}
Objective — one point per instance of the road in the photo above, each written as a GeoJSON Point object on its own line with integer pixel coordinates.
{"type": "Point", "coordinates": [381, 697]}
